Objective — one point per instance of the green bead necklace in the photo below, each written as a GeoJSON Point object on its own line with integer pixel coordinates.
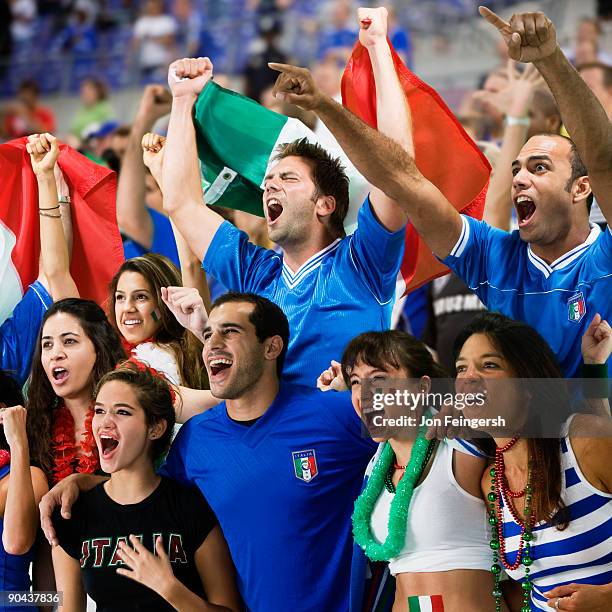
{"type": "Point", "coordinates": [398, 514]}
{"type": "Point", "coordinates": [500, 491]}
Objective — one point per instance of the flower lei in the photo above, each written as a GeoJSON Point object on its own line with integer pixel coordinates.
{"type": "Point", "coordinates": [65, 447]}
{"type": "Point", "coordinates": [5, 458]}
{"type": "Point", "coordinates": [398, 514]}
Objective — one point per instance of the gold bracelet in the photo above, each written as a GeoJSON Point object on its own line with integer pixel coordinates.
{"type": "Point", "coordinates": [45, 214]}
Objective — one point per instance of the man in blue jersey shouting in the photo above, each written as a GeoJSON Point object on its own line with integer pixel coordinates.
{"type": "Point", "coordinates": [330, 286]}
{"type": "Point", "coordinates": [280, 465]}
{"type": "Point", "coordinates": [555, 273]}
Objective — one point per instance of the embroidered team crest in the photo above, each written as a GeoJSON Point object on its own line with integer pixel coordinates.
{"type": "Point", "coordinates": [305, 464]}
{"type": "Point", "coordinates": [576, 307]}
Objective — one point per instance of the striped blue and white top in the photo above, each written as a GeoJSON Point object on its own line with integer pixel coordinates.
{"type": "Point", "coordinates": [580, 553]}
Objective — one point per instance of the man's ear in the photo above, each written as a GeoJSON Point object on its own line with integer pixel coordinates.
{"type": "Point", "coordinates": [273, 347]}
{"type": "Point", "coordinates": [158, 429]}
{"type": "Point", "coordinates": [325, 206]}
{"type": "Point", "coordinates": [581, 189]}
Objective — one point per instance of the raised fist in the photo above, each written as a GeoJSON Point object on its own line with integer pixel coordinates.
{"type": "Point", "coordinates": [372, 26]}
{"type": "Point", "coordinates": [296, 86]}
{"type": "Point", "coordinates": [530, 37]}
{"type": "Point", "coordinates": [153, 154]}
{"type": "Point", "coordinates": [188, 76]}
{"type": "Point", "coordinates": [155, 103]}
{"type": "Point", "coordinates": [43, 150]}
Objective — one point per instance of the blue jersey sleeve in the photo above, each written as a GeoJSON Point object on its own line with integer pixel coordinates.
{"type": "Point", "coordinates": [237, 263]}
{"type": "Point", "coordinates": [18, 334]}
{"type": "Point", "coordinates": [377, 254]}
{"type": "Point", "coordinates": [470, 257]}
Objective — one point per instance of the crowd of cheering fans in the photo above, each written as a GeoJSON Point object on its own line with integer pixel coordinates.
{"type": "Point", "coordinates": [197, 441]}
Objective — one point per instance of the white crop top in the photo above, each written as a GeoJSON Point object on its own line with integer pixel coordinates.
{"type": "Point", "coordinates": [447, 526]}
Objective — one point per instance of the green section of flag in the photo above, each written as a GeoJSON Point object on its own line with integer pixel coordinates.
{"type": "Point", "coordinates": [413, 604]}
{"type": "Point", "coordinates": [235, 137]}
{"type": "Point", "coordinates": [298, 468]}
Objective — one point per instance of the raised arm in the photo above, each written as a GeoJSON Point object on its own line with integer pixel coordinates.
{"type": "Point", "coordinates": [132, 215]}
{"type": "Point", "coordinates": [181, 183]}
{"type": "Point", "coordinates": [531, 37]}
{"type": "Point", "coordinates": [392, 110]}
{"type": "Point", "coordinates": [44, 151]}
{"type": "Point", "coordinates": [192, 274]}
{"type": "Point", "coordinates": [515, 101]}
{"type": "Point", "coordinates": [26, 486]}
{"type": "Point", "coordinates": [382, 161]}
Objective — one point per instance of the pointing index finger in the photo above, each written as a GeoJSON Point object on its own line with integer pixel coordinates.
{"type": "Point", "coordinates": [494, 19]}
{"type": "Point", "coordinates": [288, 68]}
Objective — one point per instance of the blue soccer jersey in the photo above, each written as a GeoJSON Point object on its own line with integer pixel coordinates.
{"type": "Point", "coordinates": [559, 299]}
{"type": "Point", "coordinates": [163, 242]}
{"type": "Point", "coordinates": [19, 333]}
{"type": "Point", "coordinates": [344, 290]}
{"type": "Point", "coordinates": [283, 492]}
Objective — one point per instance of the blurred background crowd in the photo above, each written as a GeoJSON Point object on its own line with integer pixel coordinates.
{"type": "Point", "coordinates": [69, 65]}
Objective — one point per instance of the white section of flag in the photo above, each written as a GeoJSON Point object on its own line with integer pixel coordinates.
{"type": "Point", "coordinates": [11, 290]}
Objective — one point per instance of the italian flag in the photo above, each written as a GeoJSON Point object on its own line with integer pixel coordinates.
{"type": "Point", "coordinates": [444, 153]}
{"type": "Point", "coordinates": [97, 251]}
{"type": "Point", "coordinates": [425, 603]}
{"type": "Point", "coordinates": [236, 138]}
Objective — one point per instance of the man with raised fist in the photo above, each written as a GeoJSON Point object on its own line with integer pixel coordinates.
{"type": "Point", "coordinates": [555, 273]}
{"type": "Point", "coordinates": [330, 286]}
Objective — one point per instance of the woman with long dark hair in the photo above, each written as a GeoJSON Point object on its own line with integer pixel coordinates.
{"type": "Point", "coordinates": [550, 499]}
{"type": "Point", "coordinates": [149, 330]}
{"type": "Point", "coordinates": [76, 347]}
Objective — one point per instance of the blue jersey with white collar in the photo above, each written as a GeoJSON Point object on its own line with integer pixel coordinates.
{"type": "Point", "coordinates": [559, 299]}
{"type": "Point", "coordinates": [283, 491]}
{"type": "Point", "coordinates": [344, 290]}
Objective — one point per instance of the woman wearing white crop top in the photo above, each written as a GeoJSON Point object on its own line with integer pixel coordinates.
{"type": "Point", "coordinates": [437, 541]}
{"type": "Point", "coordinates": [550, 498]}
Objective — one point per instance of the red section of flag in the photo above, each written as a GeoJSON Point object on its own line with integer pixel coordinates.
{"type": "Point", "coordinates": [97, 251]}
{"type": "Point", "coordinates": [444, 153]}
{"type": "Point", "coordinates": [436, 603]}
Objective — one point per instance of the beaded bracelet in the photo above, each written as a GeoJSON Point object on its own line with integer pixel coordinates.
{"type": "Point", "coordinates": [45, 214]}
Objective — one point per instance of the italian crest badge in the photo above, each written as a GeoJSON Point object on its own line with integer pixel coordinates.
{"type": "Point", "coordinates": [305, 464]}
{"type": "Point", "coordinates": [576, 307]}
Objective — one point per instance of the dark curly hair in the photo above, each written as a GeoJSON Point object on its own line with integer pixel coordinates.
{"type": "Point", "coordinates": [41, 398]}
{"type": "Point", "coordinates": [160, 272]}
{"type": "Point", "coordinates": [154, 396]}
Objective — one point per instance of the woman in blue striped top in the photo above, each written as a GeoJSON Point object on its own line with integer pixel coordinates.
{"type": "Point", "coordinates": [551, 498]}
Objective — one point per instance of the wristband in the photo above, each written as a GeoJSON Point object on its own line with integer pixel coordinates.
{"type": "Point", "coordinates": [595, 383]}
{"type": "Point", "coordinates": [524, 121]}
{"type": "Point", "coordinates": [64, 199]}
{"type": "Point", "coordinates": [51, 208]}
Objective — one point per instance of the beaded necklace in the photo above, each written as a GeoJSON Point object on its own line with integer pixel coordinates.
{"type": "Point", "coordinates": [502, 495]}
{"type": "Point", "coordinates": [398, 513]}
